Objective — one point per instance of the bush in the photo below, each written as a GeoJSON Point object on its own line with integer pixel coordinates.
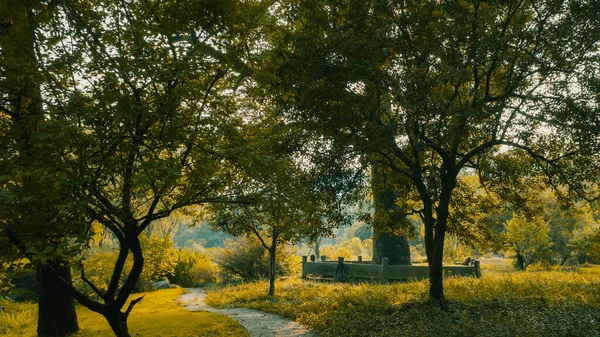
{"type": "Point", "coordinates": [193, 269]}
{"type": "Point", "coordinates": [248, 260]}
{"type": "Point", "coordinates": [159, 262]}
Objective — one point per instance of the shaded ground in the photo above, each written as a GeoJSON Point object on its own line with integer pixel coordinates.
{"type": "Point", "coordinates": [258, 323]}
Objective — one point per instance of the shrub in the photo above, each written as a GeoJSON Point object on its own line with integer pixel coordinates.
{"type": "Point", "coordinates": [248, 260]}
{"type": "Point", "coordinates": [159, 262]}
{"type": "Point", "coordinates": [193, 269]}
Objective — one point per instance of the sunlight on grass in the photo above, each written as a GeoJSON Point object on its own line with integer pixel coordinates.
{"type": "Point", "coordinates": [156, 315]}
{"type": "Point", "coordinates": [17, 317]}
{"type": "Point", "coordinates": [541, 303]}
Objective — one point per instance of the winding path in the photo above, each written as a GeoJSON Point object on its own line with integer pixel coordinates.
{"type": "Point", "coordinates": [258, 323]}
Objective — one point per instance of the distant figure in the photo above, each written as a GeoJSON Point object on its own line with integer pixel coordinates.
{"type": "Point", "coordinates": [467, 262]}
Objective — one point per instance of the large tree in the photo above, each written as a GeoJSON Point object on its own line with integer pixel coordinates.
{"type": "Point", "coordinates": [37, 210]}
{"type": "Point", "coordinates": [144, 92]}
{"type": "Point", "coordinates": [436, 86]}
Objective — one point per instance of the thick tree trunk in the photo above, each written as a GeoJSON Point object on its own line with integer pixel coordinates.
{"type": "Point", "coordinates": [388, 242]}
{"type": "Point", "coordinates": [394, 247]}
{"type": "Point", "coordinates": [56, 308]}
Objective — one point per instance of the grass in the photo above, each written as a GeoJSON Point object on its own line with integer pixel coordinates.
{"type": "Point", "coordinates": [16, 317]}
{"type": "Point", "coordinates": [156, 315]}
{"type": "Point", "coordinates": [544, 303]}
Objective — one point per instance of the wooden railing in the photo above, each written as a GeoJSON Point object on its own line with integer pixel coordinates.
{"type": "Point", "coordinates": [365, 270]}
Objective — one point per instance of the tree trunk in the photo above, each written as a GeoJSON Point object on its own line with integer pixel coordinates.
{"type": "Point", "coordinates": [56, 308]}
{"type": "Point", "coordinates": [118, 322]}
{"type": "Point", "coordinates": [394, 247]}
{"type": "Point", "coordinates": [388, 240]}
{"type": "Point", "coordinates": [272, 268]}
{"type": "Point", "coordinates": [520, 262]}
{"type": "Point", "coordinates": [436, 272]}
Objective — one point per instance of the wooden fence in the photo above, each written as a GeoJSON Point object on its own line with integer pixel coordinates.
{"type": "Point", "coordinates": [343, 270]}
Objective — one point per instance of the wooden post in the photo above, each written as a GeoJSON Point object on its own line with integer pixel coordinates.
{"type": "Point", "coordinates": [304, 261]}
{"type": "Point", "coordinates": [477, 265]}
{"type": "Point", "coordinates": [382, 271]}
{"type": "Point", "coordinates": [339, 271]}
{"type": "Point", "coordinates": [359, 259]}
{"type": "Point", "coordinates": [323, 258]}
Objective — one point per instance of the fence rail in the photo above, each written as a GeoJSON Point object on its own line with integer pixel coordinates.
{"type": "Point", "coordinates": [343, 270]}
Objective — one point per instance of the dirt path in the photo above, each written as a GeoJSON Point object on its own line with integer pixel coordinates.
{"type": "Point", "coordinates": [258, 323]}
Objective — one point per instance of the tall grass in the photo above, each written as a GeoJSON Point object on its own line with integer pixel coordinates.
{"type": "Point", "coordinates": [545, 303]}
{"type": "Point", "coordinates": [15, 317]}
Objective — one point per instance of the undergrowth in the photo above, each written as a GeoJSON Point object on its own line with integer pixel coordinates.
{"type": "Point", "coordinates": [14, 317]}
{"type": "Point", "coordinates": [545, 303]}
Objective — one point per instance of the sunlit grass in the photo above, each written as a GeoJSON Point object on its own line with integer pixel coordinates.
{"type": "Point", "coordinates": [592, 269]}
{"type": "Point", "coordinates": [544, 303]}
{"type": "Point", "coordinates": [17, 317]}
{"type": "Point", "coordinates": [156, 315]}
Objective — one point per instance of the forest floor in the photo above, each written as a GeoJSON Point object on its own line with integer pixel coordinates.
{"type": "Point", "coordinates": [258, 323]}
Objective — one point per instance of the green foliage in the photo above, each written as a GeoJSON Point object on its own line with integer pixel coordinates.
{"type": "Point", "coordinates": [552, 303]}
{"type": "Point", "coordinates": [246, 259]}
{"type": "Point", "coordinates": [436, 87]}
{"type": "Point", "coordinates": [193, 269]}
{"type": "Point", "coordinates": [159, 261]}
{"type": "Point", "coordinates": [587, 242]}
{"type": "Point", "coordinates": [529, 239]}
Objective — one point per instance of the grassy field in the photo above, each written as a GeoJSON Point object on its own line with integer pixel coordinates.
{"type": "Point", "coordinates": [156, 315]}
{"type": "Point", "coordinates": [533, 303]}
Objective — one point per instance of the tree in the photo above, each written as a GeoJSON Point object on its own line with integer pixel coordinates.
{"type": "Point", "coordinates": [528, 238]}
{"type": "Point", "coordinates": [142, 95]}
{"type": "Point", "coordinates": [435, 87]}
{"type": "Point", "coordinates": [286, 202]}
{"type": "Point", "coordinates": [32, 226]}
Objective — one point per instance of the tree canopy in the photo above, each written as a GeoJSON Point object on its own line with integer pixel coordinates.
{"type": "Point", "coordinates": [435, 87]}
